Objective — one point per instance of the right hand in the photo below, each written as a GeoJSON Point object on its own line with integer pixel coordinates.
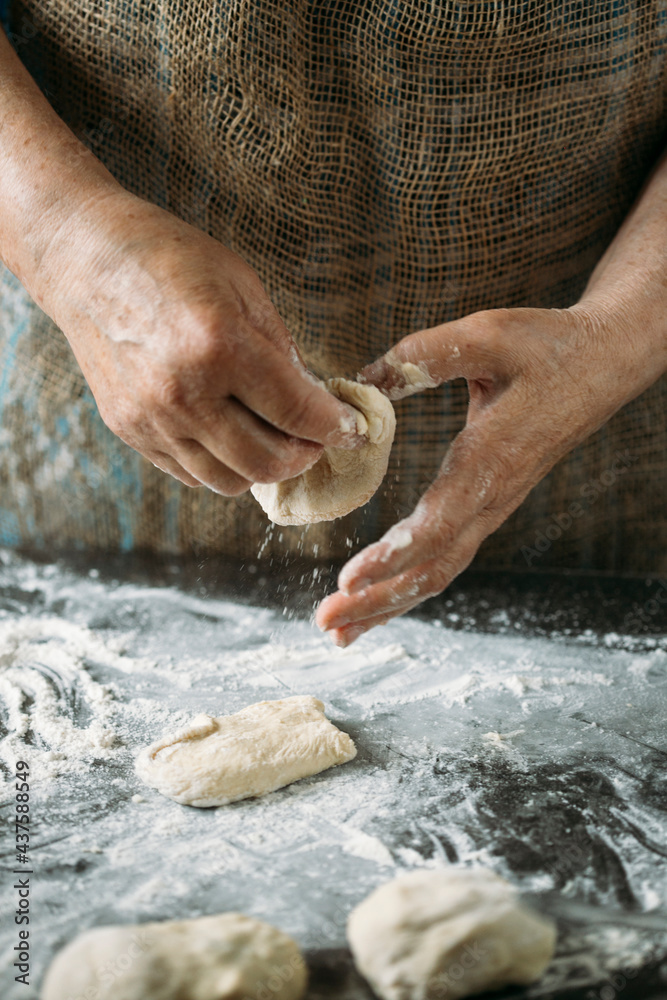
{"type": "Point", "coordinates": [187, 358]}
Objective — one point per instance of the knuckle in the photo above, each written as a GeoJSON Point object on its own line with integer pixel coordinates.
{"type": "Point", "coordinates": [167, 393]}
{"type": "Point", "coordinates": [229, 487]}
{"type": "Point", "coordinates": [488, 330]}
{"type": "Point", "coordinates": [272, 468]}
{"type": "Point", "coordinates": [212, 338]}
{"type": "Point", "coordinates": [124, 419]}
{"type": "Point", "coordinates": [491, 332]}
{"type": "Point", "coordinates": [267, 471]}
{"type": "Point", "coordinates": [446, 536]}
{"type": "Point", "coordinates": [500, 319]}
{"type": "Point", "coordinates": [165, 463]}
{"type": "Point", "coordinates": [439, 578]}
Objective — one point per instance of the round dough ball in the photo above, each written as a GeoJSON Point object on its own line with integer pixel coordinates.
{"type": "Point", "coordinates": [432, 935]}
{"type": "Point", "coordinates": [224, 957]}
{"type": "Point", "coordinates": [342, 479]}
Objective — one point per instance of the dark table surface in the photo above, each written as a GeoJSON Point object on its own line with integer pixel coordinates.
{"type": "Point", "coordinates": [517, 721]}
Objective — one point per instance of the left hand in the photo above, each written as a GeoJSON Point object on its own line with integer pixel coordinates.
{"type": "Point", "coordinates": [540, 382]}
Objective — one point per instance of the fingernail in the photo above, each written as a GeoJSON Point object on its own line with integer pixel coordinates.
{"type": "Point", "coordinates": [348, 422]}
{"type": "Point", "coordinates": [356, 586]}
{"type": "Point", "coordinates": [353, 440]}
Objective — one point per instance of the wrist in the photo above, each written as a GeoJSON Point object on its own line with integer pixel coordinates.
{"type": "Point", "coordinates": [628, 326]}
{"type": "Point", "coordinates": [42, 209]}
{"type": "Point", "coordinates": [46, 173]}
{"type": "Point", "coordinates": [627, 292]}
{"type": "Point", "coordinates": [57, 259]}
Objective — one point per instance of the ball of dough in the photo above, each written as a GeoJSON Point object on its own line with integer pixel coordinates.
{"type": "Point", "coordinates": [225, 957]}
{"type": "Point", "coordinates": [261, 748]}
{"type": "Point", "coordinates": [341, 479]}
{"type": "Point", "coordinates": [442, 935]}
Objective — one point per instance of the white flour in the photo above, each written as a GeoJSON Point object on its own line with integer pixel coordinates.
{"type": "Point", "coordinates": [467, 743]}
{"type": "Point", "coordinates": [43, 669]}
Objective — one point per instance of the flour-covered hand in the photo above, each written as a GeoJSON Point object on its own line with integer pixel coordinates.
{"type": "Point", "coordinates": [187, 358]}
{"type": "Point", "coordinates": [540, 381]}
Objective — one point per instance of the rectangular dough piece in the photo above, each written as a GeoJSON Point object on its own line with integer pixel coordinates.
{"type": "Point", "coordinates": [214, 761]}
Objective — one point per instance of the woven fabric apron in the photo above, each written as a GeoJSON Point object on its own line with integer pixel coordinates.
{"type": "Point", "coordinates": [385, 166]}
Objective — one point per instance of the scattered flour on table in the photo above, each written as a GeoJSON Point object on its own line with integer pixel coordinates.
{"type": "Point", "coordinates": [594, 956]}
{"type": "Point", "coordinates": [118, 665]}
{"type": "Point", "coordinates": [362, 845]}
{"type": "Point", "coordinates": [502, 741]}
{"type": "Point", "coordinates": [46, 685]}
{"type": "Point", "coordinates": [59, 718]}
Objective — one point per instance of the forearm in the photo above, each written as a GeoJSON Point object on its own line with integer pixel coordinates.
{"type": "Point", "coordinates": [629, 283]}
{"type": "Point", "coordinates": [46, 174]}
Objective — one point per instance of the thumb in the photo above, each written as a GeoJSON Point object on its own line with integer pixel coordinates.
{"type": "Point", "coordinates": [472, 348]}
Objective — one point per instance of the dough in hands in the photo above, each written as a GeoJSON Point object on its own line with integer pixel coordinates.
{"type": "Point", "coordinates": [342, 479]}
{"type": "Point", "coordinates": [224, 957]}
{"type": "Point", "coordinates": [447, 934]}
{"type": "Point", "coordinates": [214, 761]}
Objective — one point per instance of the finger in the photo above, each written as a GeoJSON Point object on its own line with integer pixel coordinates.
{"type": "Point", "coordinates": [399, 594]}
{"type": "Point", "coordinates": [288, 398]}
{"type": "Point", "coordinates": [400, 546]}
{"type": "Point", "coordinates": [348, 634]}
{"type": "Point", "coordinates": [344, 637]}
{"type": "Point", "coordinates": [465, 485]}
{"type": "Point", "coordinates": [267, 321]}
{"type": "Point", "coordinates": [397, 378]}
{"type": "Point", "coordinates": [165, 463]}
{"type": "Point", "coordinates": [389, 598]}
{"type": "Point", "coordinates": [254, 449]}
{"type": "Point", "coordinates": [404, 591]}
{"type": "Point", "coordinates": [207, 470]}
{"type": "Point", "coordinates": [265, 318]}
{"type": "Point", "coordinates": [472, 348]}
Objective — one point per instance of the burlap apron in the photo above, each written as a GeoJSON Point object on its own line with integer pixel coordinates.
{"type": "Point", "coordinates": [385, 166]}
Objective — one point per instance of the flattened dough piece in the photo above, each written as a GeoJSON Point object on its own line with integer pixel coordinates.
{"type": "Point", "coordinates": [342, 479]}
{"type": "Point", "coordinates": [450, 933]}
{"type": "Point", "coordinates": [224, 957]}
{"type": "Point", "coordinates": [214, 761]}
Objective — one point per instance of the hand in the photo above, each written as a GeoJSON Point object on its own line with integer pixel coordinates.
{"type": "Point", "coordinates": [540, 381]}
{"type": "Point", "coordinates": [187, 358]}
